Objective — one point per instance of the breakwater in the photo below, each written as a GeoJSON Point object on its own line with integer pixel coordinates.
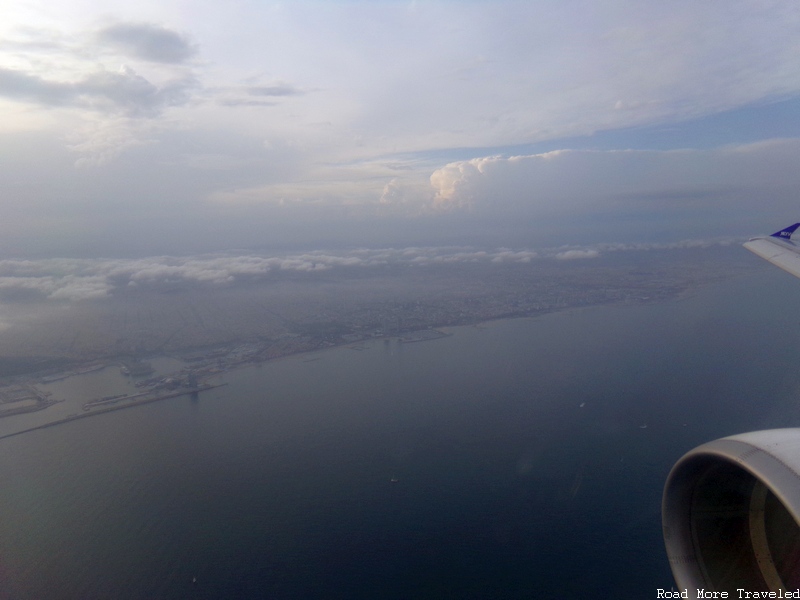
{"type": "Point", "coordinates": [138, 401]}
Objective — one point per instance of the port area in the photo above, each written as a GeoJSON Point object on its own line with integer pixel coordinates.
{"type": "Point", "coordinates": [103, 386]}
{"type": "Point", "coordinates": [119, 401]}
{"type": "Point", "coordinates": [21, 399]}
{"type": "Point", "coordinates": [422, 335]}
{"type": "Point", "coordinates": [90, 368]}
{"type": "Point", "coordinates": [106, 405]}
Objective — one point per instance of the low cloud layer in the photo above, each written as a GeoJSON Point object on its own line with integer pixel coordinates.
{"type": "Point", "coordinates": [90, 279]}
{"type": "Point", "coordinates": [577, 254]}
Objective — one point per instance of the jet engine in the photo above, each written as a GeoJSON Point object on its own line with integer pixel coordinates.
{"type": "Point", "coordinates": [730, 514]}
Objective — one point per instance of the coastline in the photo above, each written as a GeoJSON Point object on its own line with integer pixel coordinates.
{"type": "Point", "coordinates": [409, 337]}
{"type": "Point", "coordinates": [215, 360]}
{"type": "Point", "coordinates": [108, 409]}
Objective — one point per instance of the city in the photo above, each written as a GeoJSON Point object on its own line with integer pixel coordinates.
{"type": "Point", "coordinates": [214, 329]}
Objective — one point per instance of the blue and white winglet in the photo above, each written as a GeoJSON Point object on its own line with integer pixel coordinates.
{"type": "Point", "coordinates": [779, 249]}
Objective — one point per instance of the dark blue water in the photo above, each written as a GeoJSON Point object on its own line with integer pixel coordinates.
{"type": "Point", "coordinates": [520, 459]}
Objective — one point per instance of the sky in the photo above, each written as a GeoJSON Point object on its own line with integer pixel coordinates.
{"type": "Point", "coordinates": [176, 127]}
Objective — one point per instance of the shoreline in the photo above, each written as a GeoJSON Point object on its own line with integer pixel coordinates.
{"type": "Point", "coordinates": [108, 409]}
{"type": "Point", "coordinates": [431, 333]}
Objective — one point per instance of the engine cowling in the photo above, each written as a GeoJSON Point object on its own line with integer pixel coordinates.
{"type": "Point", "coordinates": [731, 515]}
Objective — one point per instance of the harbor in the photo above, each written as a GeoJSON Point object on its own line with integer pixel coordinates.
{"type": "Point", "coordinates": [86, 390]}
{"type": "Point", "coordinates": [102, 406]}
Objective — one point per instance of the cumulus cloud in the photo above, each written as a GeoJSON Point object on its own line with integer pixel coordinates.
{"type": "Point", "coordinates": [453, 183]}
{"type": "Point", "coordinates": [148, 42]}
{"type": "Point", "coordinates": [469, 184]}
{"type": "Point", "coordinates": [392, 193]}
{"type": "Point", "coordinates": [409, 191]}
{"type": "Point", "coordinates": [570, 181]}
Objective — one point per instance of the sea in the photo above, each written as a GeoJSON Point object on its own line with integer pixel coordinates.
{"type": "Point", "coordinates": [520, 458]}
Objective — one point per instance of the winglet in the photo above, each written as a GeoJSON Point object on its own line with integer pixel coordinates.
{"type": "Point", "coordinates": [786, 234]}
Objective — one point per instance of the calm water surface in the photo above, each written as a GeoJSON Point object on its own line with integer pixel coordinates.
{"type": "Point", "coordinates": [517, 459]}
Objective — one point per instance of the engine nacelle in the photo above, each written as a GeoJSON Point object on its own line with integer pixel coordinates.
{"type": "Point", "coordinates": [730, 513]}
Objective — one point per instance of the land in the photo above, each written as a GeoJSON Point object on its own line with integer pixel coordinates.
{"type": "Point", "coordinates": [121, 402]}
{"type": "Point", "coordinates": [220, 327]}
{"type": "Point", "coordinates": [213, 329]}
{"type": "Point", "coordinates": [23, 398]}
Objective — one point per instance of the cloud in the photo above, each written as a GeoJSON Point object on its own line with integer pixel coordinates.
{"type": "Point", "coordinates": [556, 178]}
{"type": "Point", "coordinates": [410, 192]}
{"type": "Point", "coordinates": [79, 69]}
{"type": "Point", "coordinates": [577, 254]}
{"type": "Point", "coordinates": [254, 95]}
{"type": "Point", "coordinates": [277, 89]}
{"type": "Point", "coordinates": [148, 42]}
{"type": "Point", "coordinates": [338, 107]}
{"type": "Point", "coordinates": [235, 102]}
{"type": "Point", "coordinates": [17, 85]}
{"type": "Point", "coordinates": [90, 279]}
{"type": "Point", "coordinates": [80, 288]}
{"type": "Point", "coordinates": [522, 256]}
{"type": "Point", "coordinates": [80, 279]}
{"type": "Point", "coordinates": [617, 181]}
{"type": "Point", "coordinates": [132, 94]}
{"type": "Point", "coordinates": [122, 92]}
{"type": "Point", "coordinates": [119, 109]}
{"type": "Point", "coordinates": [105, 140]}
{"type": "Point", "coordinates": [66, 287]}
{"type": "Point", "coordinates": [451, 184]}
